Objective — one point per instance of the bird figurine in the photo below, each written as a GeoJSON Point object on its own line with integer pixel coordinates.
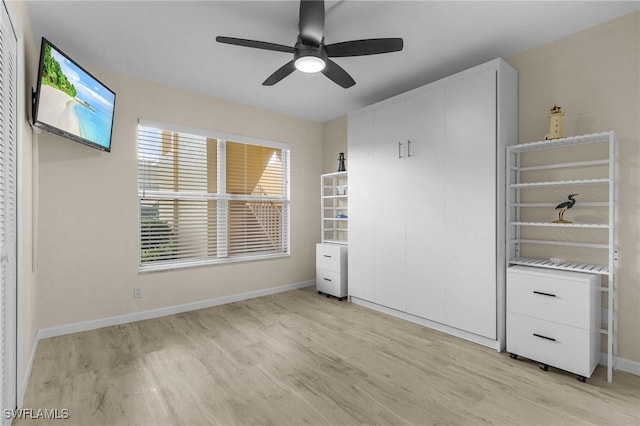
{"type": "Point", "coordinates": [563, 207]}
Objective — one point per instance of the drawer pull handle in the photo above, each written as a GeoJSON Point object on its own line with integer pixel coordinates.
{"type": "Point", "coordinates": [327, 279]}
{"type": "Point", "coordinates": [544, 294]}
{"type": "Point", "coordinates": [326, 255]}
{"type": "Point", "coordinates": [544, 337]}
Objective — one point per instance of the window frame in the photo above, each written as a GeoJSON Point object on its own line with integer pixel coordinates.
{"type": "Point", "coordinates": [168, 265]}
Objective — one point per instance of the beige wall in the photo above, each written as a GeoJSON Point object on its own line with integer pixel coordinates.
{"type": "Point", "coordinates": [87, 235]}
{"type": "Point", "coordinates": [334, 141]}
{"type": "Point", "coordinates": [595, 76]}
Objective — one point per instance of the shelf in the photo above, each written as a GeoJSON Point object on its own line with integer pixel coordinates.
{"type": "Point", "coordinates": [560, 243]}
{"type": "Point", "coordinates": [334, 199]}
{"type": "Point", "coordinates": [582, 165]}
{"type": "Point", "coordinates": [564, 225]}
{"type": "Point", "coordinates": [582, 204]}
{"type": "Point", "coordinates": [335, 174]}
{"type": "Point", "coordinates": [561, 165]}
{"type": "Point", "coordinates": [335, 242]}
{"type": "Point", "coordinates": [566, 266]}
{"type": "Point", "coordinates": [556, 143]}
{"type": "Point", "coordinates": [560, 183]}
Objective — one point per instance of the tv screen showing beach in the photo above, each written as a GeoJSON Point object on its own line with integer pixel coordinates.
{"type": "Point", "coordinates": [73, 103]}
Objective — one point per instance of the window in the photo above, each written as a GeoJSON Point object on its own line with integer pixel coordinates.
{"type": "Point", "coordinates": [209, 198]}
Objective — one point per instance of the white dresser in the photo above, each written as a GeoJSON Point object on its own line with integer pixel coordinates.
{"type": "Point", "coordinates": [331, 269]}
{"type": "Point", "coordinates": [553, 317]}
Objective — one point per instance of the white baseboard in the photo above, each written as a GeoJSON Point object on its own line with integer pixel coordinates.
{"type": "Point", "coordinates": [161, 312]}
{"type": "Point", "coordinates": [22, 386]}
{"type": "Point", "coordinates": [623, 364]}
{"type": "Point", "coordinates": [628, 365]}
{"type": "Point", "coordinates": [138, 316]}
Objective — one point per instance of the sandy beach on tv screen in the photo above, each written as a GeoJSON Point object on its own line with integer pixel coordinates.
{"type": "Point", "coordinates": [56, 109]}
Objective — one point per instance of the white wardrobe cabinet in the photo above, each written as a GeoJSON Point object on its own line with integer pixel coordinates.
{"type": "Point", "coordinates": [470, 207]}
{"type": "Point", "coordinates": [389, 248]}
{"type": "Point", "coordinates": [425, 274]}
{"type": "Point", "coordinates": [360, 136]}
{"type": "Point", "coordinates": [427, 181]}
{"type": "Point", "coordinates": [407, 144]}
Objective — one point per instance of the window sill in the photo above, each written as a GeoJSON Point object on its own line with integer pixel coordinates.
{"type": "Point", "coordinates": [188, 264]}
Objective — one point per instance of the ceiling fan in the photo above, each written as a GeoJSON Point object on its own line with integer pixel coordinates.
{"type": "Point", "coordinates": [311, 55]}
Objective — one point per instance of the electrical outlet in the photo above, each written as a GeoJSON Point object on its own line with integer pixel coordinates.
{"type": "Point", "coordinates": [137, 292]}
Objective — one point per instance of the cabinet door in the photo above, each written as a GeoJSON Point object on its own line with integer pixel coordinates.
{"type": "Point", "coordinates": [361, 190]}
{"type": "Point", "coordinates": [425, 204]}
{"type": "Point", "coordinates": [470, 204]}
{"type": "Point", "coordinates": [388, 206]}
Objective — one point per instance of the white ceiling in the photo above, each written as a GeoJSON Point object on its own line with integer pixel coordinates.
{"type": "Point", "coordinates": [173, 42]}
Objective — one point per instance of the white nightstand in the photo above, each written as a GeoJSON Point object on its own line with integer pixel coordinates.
{"type": "Point", "coordinates": [331, 269]}
{"type": "Point", "coordinates": [553, 317]}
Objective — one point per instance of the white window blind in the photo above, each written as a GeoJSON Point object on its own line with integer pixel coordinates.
{"type": "Point", "coordinates": [207, 199]}
{"type": "Point", "coordinates": [8, 212]}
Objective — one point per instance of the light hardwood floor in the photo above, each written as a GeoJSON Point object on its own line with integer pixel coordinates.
{"type": "Point", "coordinates": [300, 358]}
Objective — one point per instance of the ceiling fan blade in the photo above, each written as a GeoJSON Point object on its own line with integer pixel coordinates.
{"type": "Point", "coordinates": [372, 46]}
{"type": "Point", "coordinates": [311, 24]}
{"type": "Point", "coordinates": [255, 44]}
{"type": "Point", "coordinates": [281, 73]}
{"type": "Point", "coordinates": [336, 74]}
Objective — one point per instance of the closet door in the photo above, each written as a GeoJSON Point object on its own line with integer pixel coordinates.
{"type": "Point", "coordinates": [425, 233]}
{"type": "Point", "coordinates": [361, 194]}
{"type": "Point", "coordinates": [8, 211]}
{"type": "Point", "coordinates": [470, 204]}
{"type": "Point", "coordinates": [389, 205]}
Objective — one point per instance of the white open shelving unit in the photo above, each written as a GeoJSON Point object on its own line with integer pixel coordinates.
{"type": "Point", "coordinates": [521, 206]}
{"type": "Point", "coordinates": [334, 190]}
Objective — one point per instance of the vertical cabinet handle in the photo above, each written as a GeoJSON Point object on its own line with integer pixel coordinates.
{"type": "Point", "coordinates": [409, 153]}
{"type": "Point", "coordinates": [400, 150]}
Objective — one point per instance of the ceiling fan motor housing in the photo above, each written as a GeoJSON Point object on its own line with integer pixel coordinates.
{"type": "Point", "coordinates": [303, 50]}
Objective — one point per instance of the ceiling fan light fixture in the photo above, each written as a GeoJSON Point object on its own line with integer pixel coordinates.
{"type": "Point", "coordinates": [310, 64]}
{"type": "Point", "coordinates": [311, 55]}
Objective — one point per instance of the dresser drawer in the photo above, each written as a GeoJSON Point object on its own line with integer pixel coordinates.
{"type": "Point", "coordinates": [556, 296]}
{"type": "Point", "coordinates": [331, 282]}
{"type": "Point", "coordinates": [568, 348]}
{"type": "Point", "coordinates": [331, 257]}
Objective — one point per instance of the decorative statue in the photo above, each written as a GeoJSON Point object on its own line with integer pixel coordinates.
{"type": "Point", "coordinates": [341, 166]}
{"type": "Point", "coordinates": [555, 127]}
{"type": "Point", "coordinates": [562, 207]}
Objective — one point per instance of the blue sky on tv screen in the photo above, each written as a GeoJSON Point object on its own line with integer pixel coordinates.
{"type": "Point", "coordinates": [89, 89]}
{"type": "Point", "coordinates": [95, 122]}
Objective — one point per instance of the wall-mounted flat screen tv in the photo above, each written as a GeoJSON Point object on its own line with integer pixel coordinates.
{"type": "Point", "coordinates": [70, 102]}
